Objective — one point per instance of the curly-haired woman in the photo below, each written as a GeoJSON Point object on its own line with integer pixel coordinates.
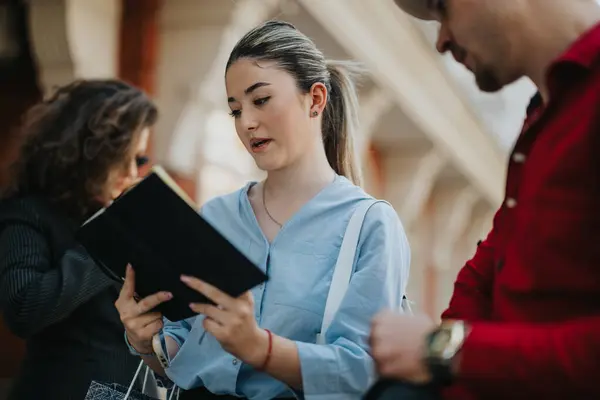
{"type": "Point", "coordinates": [83, 147]}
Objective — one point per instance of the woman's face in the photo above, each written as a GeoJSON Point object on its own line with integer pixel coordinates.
{"type": "Point", "coordinates": [123, 178]}
{"type": "Point", "coordinates": [273, 119]}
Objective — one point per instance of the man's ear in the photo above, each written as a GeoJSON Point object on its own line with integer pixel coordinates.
{"type": "Point", "coordinates": [318, 98]}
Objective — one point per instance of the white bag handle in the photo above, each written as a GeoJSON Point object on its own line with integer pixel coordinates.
{"type": "Point", "coordinates": [147, 374]}
{"type": "Point", "coordinates": [137, 373]}
{"type": "Point", "coordinates": [344, 265]}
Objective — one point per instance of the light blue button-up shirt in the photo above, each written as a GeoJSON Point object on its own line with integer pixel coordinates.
{"type": "Point", "coordinates": [300, 263]}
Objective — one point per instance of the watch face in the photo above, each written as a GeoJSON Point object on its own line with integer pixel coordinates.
{"type": "Point", "coordinates": [446, 340]}
{"type": "Point", "coordinates": [440, 341]}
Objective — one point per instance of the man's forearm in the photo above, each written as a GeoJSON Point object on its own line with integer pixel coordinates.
{"type": "Point", "coordinates": [540, 360]}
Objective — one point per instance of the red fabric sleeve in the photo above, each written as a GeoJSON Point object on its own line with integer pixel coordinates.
{"type": "Point", "coordinates": [521, 360]}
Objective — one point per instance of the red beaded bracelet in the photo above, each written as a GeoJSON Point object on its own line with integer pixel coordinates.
{"type": "Point", "coordinates": [269, 350]}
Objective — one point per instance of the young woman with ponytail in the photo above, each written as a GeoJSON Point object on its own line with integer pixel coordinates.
{"type": "Point", "coordinates": [296, 114]}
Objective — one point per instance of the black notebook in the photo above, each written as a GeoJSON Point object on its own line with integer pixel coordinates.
{"type": "Point", "coordinates": [156, 228]}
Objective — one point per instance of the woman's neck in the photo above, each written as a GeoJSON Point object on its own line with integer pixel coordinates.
{"type": "Point", "coordinates": [302, 179]}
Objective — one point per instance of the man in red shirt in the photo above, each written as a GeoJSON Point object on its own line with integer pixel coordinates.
{"type": "Point", "coordinates": [524, 319]}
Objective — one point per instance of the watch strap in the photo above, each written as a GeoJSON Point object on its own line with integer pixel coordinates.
{"type": "Point", "coordinates": [440, 360]}
{"type": "Point", "coordinates": [441, 373]}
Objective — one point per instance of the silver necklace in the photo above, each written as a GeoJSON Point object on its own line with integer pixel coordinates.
{"type": "Point", "coordinates": [264, 188]}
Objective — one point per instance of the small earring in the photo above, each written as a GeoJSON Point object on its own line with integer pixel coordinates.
{"type": "Point", "coordinates": [315, 113]}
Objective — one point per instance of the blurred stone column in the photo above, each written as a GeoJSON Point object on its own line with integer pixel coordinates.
{"type": "Point", "coordinates": [409, 181]}
{"type": "Point", "coordinates": [139, 47]}
{"type": "Point", "coordinates": [74, 39]}
{"type": "Point", "coordinates": [453, 205]}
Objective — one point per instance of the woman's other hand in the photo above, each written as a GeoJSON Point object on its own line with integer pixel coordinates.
{"type": "Point", "coordinates": [140, 323]}
{"type": "Point", "coordinates": [231, 321]}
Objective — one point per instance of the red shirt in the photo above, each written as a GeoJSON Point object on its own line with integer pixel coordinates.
{"type": "Point", "coordinates": [532, 290]}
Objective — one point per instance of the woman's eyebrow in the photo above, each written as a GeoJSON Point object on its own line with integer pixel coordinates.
{"type": "Point", "coordinates": [250, 89]}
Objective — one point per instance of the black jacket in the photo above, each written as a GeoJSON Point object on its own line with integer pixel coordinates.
{"type": "Point", "coordinates": [54, 296]}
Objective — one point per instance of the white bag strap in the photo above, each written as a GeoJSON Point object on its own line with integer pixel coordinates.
{"type": "Point", "coordinates": [147, 374]}
{"type": "Point", "coordinates": [173, 392]}
{"type": "Point", "coordinates": [344, 265]}
{"type": "Point", "coordinates": [137, 373]}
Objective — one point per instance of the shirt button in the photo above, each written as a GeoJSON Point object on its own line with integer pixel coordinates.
{"type": "Point", "coordinates": [234, 361]}
{"type": "Point", "coordinates": [519, 158]}
{"type": "Point", "coordinates": [499, 264]}
{"type": "Point", "coordinates": [511, 203]}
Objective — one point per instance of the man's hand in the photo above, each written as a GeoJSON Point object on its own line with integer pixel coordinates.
{"type": "Point", "coordinates": [398, 346]}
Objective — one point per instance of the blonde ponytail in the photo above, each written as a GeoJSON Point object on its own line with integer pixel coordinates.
{"type": "Point", "coordinates": [340, 120]}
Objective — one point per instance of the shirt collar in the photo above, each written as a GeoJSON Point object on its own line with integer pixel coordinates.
{"type": "Point", "coordinates": [573, 64]}
{"type": "Point", "coordinates": [582, 55]}
{"type": "Point", "coordinates": [585, 51]}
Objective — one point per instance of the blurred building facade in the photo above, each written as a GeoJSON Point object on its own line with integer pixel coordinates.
{"type": "Point", "coordinates": [426, 144]}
